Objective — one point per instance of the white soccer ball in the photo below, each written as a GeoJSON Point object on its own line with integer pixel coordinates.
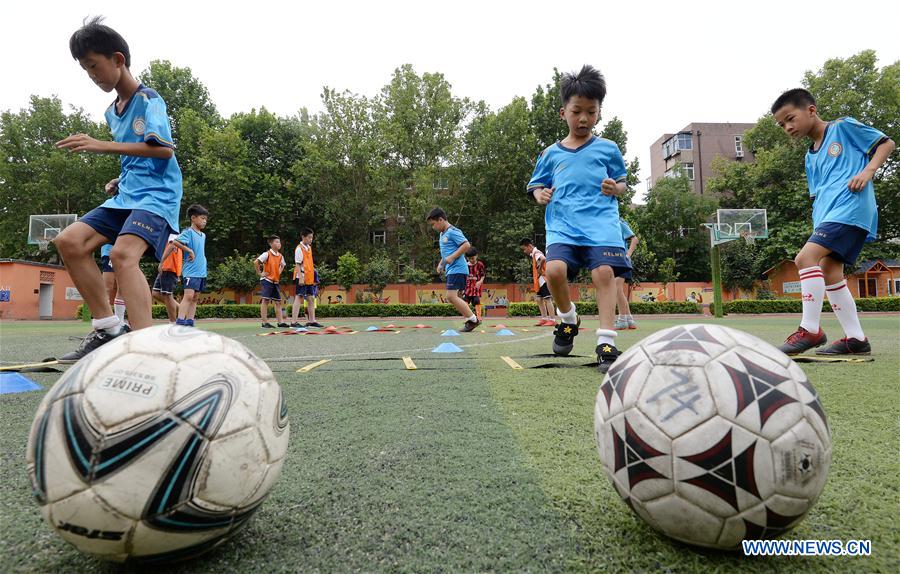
{"type": "Point", "coordinates": [712, 436]}
{"type": "Point", "coordinates": [157, 446]}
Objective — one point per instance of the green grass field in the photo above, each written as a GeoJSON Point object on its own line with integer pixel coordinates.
{"type": "Point", "coordinates": [468, 465]}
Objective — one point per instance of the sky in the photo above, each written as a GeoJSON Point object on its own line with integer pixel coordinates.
{"type": "Point", "coordinates": [666, 64]}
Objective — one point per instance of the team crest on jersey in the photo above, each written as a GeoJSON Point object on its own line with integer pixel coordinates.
{"type": "Point", "coordinates": [138, 126]}
{"type": "Point", "coordinates": [835, 149]}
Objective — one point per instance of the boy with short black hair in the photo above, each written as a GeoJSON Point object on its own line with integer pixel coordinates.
{"type": "Point", "coordinates": [269, 266]}
{"type": "Point", "coordinates": [840, 165]}
{"type": "Point", "coordinates": [193, 242]}
{"type": "Point", "coordinates": [167, 278]}
{"type": "Point", "coordinates": [453, 244]}
{"type": "Point", "coordinates": [146, 197]}
{"type": "Point", "coordinates": [474, 281]}
{"type": "Point", "coordinates": [305, 281]}
{"type": "Point", "coordinates": [625, 320]}
{"type": "Point", "coordinates": [539, 282]}
{"type": "Point", "coordinates": [578, 180]}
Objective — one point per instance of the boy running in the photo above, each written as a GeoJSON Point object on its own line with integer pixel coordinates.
{"type": "Point", "coordinates": [474, 281]}
{"type": "Point", "coordinates": [539, 282]}
{"type": "Point", "coordinates": [453, 245]}
{"type": "Point", "coordinates": [193, 242]}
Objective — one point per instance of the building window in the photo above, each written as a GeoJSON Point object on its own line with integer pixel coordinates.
{"type": "Point", "coordinates": [872, 286]}
{"type": "Point", "coordinates": [441, 183]}
{"type": "Point", "coordinates": [689, 171]}
{"type": "Point", "coordinates": [676, 143]}
{"type": "Point", "coordinates": [739, 146]}
{"type": "Point", "coordinates": [649, 183]}
{"type": "Point", "coordinates": [668, 148]}
{"type": "Point", "coordinates": [896, 287]}
{"type": "Point", "coordinates": [379, 237]}
{"type": "Point", "coordinates": [684, 141]}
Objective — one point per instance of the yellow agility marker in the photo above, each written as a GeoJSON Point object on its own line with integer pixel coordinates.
{"type": "Point", "coordinates": [410, 366]}
{"type": "Point", "coordinates": [312, 366]}
{"type": "Point", "coordinates": [512, 364]}
{"type": "Point", "coordinates": [13, 368]}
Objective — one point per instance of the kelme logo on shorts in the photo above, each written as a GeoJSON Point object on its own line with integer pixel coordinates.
{"type": "Point", "coordinates": [138, 126]}
{"type": "Point", "coordinates": [835, 149]}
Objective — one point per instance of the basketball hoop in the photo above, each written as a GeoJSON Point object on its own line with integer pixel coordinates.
{"type": "Point", "coordinates": [748, 237]}
{"type": "Point", "coordinates": [43, 244]}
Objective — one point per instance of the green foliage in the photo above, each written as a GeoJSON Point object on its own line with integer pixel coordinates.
{"type": "Point", "coordinates": [666, 272]}
{"type": "Point", "coordinates": [740, 265]}
{"type": "Point", "coordinates": [416, 276]}
{"type": "Point", "coordinates": [349, 271]}
{"type": "Point", "coordinates": [882, 304]}
{"type": "Point", "coordinates": [590, 308]}
{"type": "Point", "coordinates": [235, 272]}
{"type": "Point", "coordinates": [378, 272]}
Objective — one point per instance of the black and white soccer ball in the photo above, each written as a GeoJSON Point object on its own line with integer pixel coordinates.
{"type": "Point", "coordinates": [712, 436]}
{"type": "Point", "coordinates": [157, 446]}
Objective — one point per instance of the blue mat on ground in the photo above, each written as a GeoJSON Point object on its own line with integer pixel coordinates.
{"type": "Point", "coordinates": [447, 348]}
{"type": "Point", "coordinates": [16, 383]}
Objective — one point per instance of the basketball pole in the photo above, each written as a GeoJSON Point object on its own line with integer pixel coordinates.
{"type": "Point", "coordinates": [715, 260]}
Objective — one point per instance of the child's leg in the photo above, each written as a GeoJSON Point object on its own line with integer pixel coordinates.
{"type": "Point", "coordinates": [119, 306]}
{"type": "Point", "coordinates": [605, 284]}
{"type": "Point", "coordinates": [76, 245]}
{"type": "Point", "coordinates": [295, 308]}
{"type": "Point", "coordinates": [841, 299]}
{"type": "Point", "coordinates": [109, 281]}
{"type": "Point", "coordinates": [559, 288]}
{"type": "Point", "coordinates": [812, 284]}
{"type": "Point", "coordinates": [192, 311]}
{"type": "Point", "coordinates": [311, 308]}
{"type": "Point", "coordinates": [264, 310]}
{"type": "Point", "coordinates": [461, 306]}
{"type": "Point", "coordinates": [278, 315]}
{"type": "Point", "coordinates": [184, 310]}
{"type": "Point", "coordinates": [125, 257]}
{"type": "Point", "coordinates": [171, 307]}
{"type": "Point", "coordinates": [621, 301]}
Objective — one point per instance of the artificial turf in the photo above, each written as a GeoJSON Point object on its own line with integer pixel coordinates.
{"type": "Point", "coordinates": [468, 465]}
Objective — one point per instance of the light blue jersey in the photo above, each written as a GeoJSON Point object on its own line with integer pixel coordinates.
{"type": "Point", "coordinates": [196, 240]}
{"type": "Point", "coordinates": [627, 233]}
{"type": "Point", "coordinates": [106, 249]}
{"type": "Point", "coordinates": [450, 241]}
{"type": "Point", "coordinates": [846, 149]}
{"type": "Point", "coordinates": [578, 213]}
{"type": "Point", "coordinates": [145, 183]}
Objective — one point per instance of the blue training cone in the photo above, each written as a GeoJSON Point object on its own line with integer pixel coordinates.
{"type": "Point", "coordinates": [16, 383]}
{"type": "Point", "coordinates": [371, 328]}
{"type": "Point", "coordinates": [505, 333]}
{"type": "Point", "coordinates": [450, 333]}
{"type": "Point", "coordinates": [446, 348]}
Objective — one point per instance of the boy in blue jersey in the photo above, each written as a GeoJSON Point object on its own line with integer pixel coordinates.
{"type": "Point", "coordinates": [143, 209]}
{"type": "Point", "coordinates": [578, 180]}
{"type": "Point", "coordinates": [625, 320]}
{"type": "Point", "coordinates": [193, 242]}
{"type": "Point", "coordinates": [840, 164]}
{"type": "Point", "coordinates": [453, 245]}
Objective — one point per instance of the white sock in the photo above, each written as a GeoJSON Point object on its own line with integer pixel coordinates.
{"type": "Point", "coordinates": [844, 308]}
{"type": "Point", "coordinates": [812, 289]}
{"type": "Point", "coordinates": [120, 309]}
{"type": "Point", "coordinates": [472, 318]}
{"type": "Point", "coordinates": [110, 324]}
{"type": "Point", "coordinates": [606, 337]}
{"type": "Point", "coordinates": [569, 316]}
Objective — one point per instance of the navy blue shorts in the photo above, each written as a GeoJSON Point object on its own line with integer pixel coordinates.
{"type": "Point", "coordinates": [457, 281]}
{"type": "Point", "coordinates": [166, 281]}
{"type": "Point", "coordinates": [105, 265]}
{"type": "Point", "coordinates": [198, 284]}
{"type": "Point", "coordinates": [589, 257]}
{"type": "Point", "coordinates": [112, 223]}
{"type": "Point", "coordinates": [269, 290]}
{"type": "Point", "coordinates": [845, 241]}
{"type": "Point", "coordinates": [305, 290]}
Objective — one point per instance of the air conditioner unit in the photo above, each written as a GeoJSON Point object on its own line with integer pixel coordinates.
{"type": "Point", "coordinates": [739, 154]}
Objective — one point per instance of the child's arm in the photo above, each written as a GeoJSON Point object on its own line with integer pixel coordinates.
{"type": "Point", "coordinates": [456, 254]}
{"type": "Point", "coordinates": [882, 152]}
{"type": "Point", "coordinates": [85, 143]}
{"type": "Point", "coordinates": [611, 187]}
{"type": "Point", "coordinates": [256, 265]}
{"type": "Point", "coordinates": [632, 245]}
{"type": "Point", "coordinates": [183, 247]}
{"type": "Point", "coordinates": [170, 247]}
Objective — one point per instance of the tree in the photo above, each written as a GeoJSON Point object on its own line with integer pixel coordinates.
{"type": "Point", "coordinates": [378, 272]}
{"type": "Point", "coordinates": [740, 265]}
{"type": "Point", "coordinates": [615, 131]}
{"type": "Point", "coordinates": [181, 91]}
{"type": "Point", "coordinates": [37, 178]}
{"type": "Point", "coordinates": [235, 272]}
{"type": "Point", "coordinates": [666, 272]}
{"type": "Point", "coordinates": [348, 271]}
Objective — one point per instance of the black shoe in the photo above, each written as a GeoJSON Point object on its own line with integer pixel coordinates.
{"type": "Point", "coordinates": [606, 356]}
{"type": "Point", "coordinates": [470, 326]}
{"type": "Point", "coordinates": [802, 340]}
{"type": "Point", "coordinates": [268, 326]}
{"type": "Point", "coordinates": [564, 338]}
{"type": "Point", "coordinates": [295, 325]}
{"type": "Point", "coordinates": [847, 346]}
{"type": "Point", "coordinates": [283, 325]}
{"type": "Point", "coordinates": [315, 324]}
{"type": "Point", "coordinates": [95, 339]}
